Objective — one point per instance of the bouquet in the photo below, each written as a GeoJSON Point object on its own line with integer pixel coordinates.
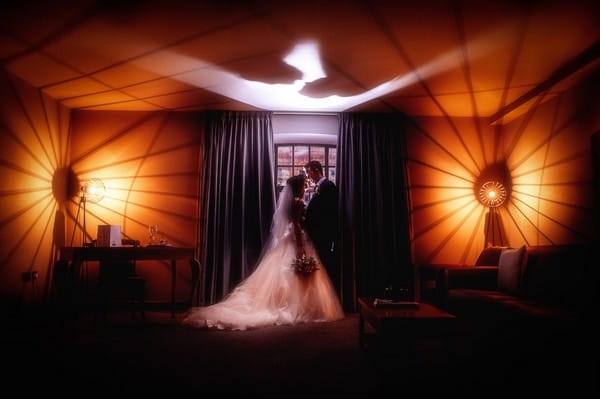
{"type": "Point", "coordinates": [305, 265]}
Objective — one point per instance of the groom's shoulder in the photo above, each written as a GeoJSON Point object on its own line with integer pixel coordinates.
{"type": "Point", "coordinates": [328, 187]}
{"type": "Point", "coordinates": [328, 182]}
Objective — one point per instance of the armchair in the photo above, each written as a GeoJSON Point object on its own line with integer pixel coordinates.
{"type": "Point", "coordinates": [435, 278]}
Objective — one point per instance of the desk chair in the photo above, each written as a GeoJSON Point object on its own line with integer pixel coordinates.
{"type": "Point", "coordinates": [120, 285]}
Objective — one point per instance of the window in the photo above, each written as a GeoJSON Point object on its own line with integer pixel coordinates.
{"type": "Point", "coordinates": [291, 158]}
{"type": "Point", "coordinates": [299, 138]}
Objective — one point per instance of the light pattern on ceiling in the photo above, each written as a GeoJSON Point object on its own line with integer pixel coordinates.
{"type": "Point", "coordinates": [182, 55]}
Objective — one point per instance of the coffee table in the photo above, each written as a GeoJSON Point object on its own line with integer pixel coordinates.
{"type": "Point", "coordinates": [399, 326]}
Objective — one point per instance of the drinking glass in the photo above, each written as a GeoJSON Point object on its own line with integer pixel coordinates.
{"type": "Point", "coordinates": [152, 230]}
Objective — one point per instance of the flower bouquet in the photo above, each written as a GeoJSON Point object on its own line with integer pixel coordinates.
{"type": "Point", "coordinates": [305, 265]}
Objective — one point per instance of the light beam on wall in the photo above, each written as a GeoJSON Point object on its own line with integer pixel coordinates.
{"type": "Point", "coordinates": [35, 180]}
{"type": "Point", "coordinates": [148, 161]}
{"type": "Point", "coordinates": [542, 164]}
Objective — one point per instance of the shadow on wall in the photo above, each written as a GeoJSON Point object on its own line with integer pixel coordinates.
{"type": "Point", "coordinates": [494, 231]}
{"type": "Point", "coordinates": [149, 160]}
{"type": "Point", "coordinates": [542, 158]}
{"type": "Point", "coordinates": [33, 155]}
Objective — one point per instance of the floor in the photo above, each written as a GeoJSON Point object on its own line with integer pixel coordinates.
{"type": "Point", "coordinates": [121, 356]}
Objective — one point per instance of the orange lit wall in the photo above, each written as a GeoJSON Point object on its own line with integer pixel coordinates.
{"type": "Point", "coordinates": [148, 161]}
{"type": "Point", "coordinates": [544, 158]}
{"type": "Point", "coordinates": [33, 154]}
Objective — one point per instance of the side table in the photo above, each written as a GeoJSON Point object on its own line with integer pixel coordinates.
{"type": "Point", "coordinates": [400, 327]}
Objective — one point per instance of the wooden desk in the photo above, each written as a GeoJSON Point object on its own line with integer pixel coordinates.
{"type": "Point", "coordinates": [76, 255]}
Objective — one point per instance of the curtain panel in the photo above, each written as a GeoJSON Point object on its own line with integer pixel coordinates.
{"type": "Point", "coordinates": [238, 198]}
{"type": "Point", "coordinates": [375, 246]}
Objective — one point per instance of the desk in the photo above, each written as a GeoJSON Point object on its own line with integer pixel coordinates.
{"type": "Point", "coordinates": [76, 255]}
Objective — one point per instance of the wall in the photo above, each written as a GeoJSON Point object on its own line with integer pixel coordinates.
{"type": "Point", "coordinates": [544, 159]}
{"type": "Point", "coordinates": [33, 184]}
{"type": "Point", "coordinates": [149, 163]}
{"type": "Point", "coordinates": [305, 128]}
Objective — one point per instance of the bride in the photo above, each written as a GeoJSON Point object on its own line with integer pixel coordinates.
{"type": "Point", "coordinates": [276, 293]}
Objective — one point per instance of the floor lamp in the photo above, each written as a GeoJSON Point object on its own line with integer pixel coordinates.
{"type": "Point", "coordinates": [492, 194]}
{"type": "Point", "coordinates": [92, 191]}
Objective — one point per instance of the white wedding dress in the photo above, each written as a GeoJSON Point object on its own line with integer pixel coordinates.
{"type": "Point", "coordinates": [274, 294]}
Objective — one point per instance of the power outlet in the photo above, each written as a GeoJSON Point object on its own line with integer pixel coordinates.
{"type": "Point", "coordinates": [29, 276]}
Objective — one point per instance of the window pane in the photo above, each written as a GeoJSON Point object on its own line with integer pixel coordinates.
{"type": "Point", "coordinates": [284, 155]}
{"type": "Point", "coordinates": [317, 153]}
{"type": "Point", "coordinates": [332, 156]}
{"type": "Point", "coordinates": [291, 159]}
{"type": "Point", "coordinates": [282, 175]}
{"type": "Point", "coordinates": [300, 155]}
{"type": "Point", "coordinates": [331, 174]}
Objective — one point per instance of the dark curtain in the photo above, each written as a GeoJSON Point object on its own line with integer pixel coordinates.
{"type": "Point", "coordinates": [375, 247]}
{"type": "Point", "coordinates": [238, 197]}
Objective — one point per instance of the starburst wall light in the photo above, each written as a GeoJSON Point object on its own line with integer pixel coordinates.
{"type": "Point", "coordinates": [492, 194]}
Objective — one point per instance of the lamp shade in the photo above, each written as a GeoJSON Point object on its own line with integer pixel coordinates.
{"type": "Point", "coordinates": [93, 190]}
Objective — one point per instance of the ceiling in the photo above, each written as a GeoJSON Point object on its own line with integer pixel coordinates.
{"type": "Point", "coordinates": [432, 58]}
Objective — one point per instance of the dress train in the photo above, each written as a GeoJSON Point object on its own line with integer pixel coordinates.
{"type": "Point", "coordinates": [274, 294]}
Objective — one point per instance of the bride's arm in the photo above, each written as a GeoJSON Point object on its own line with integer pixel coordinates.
{"type": "Point", "coordinates": [298, 213]}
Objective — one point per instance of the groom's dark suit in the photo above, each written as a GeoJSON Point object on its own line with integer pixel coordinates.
{"type": "Point", "coordinates": [321, 224]}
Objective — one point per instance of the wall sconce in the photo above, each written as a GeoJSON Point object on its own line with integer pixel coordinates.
{"type": "Point", "coordinates": [92, 191]}
{"type": "Point", "coordinates": [492, 188]}
{"type": "Point", "coordinates": [492, 194]}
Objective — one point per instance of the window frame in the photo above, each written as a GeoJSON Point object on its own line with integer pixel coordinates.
{"type": "Point", "coordinates": [326, 166]}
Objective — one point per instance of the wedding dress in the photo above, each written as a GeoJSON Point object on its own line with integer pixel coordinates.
{"type": "Point", "coordinates": [274, 294]}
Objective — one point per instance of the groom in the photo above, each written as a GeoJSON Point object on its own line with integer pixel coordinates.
{"type": "Point", "coordinates": [321, 219]}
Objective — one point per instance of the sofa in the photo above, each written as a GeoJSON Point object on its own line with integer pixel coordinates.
{"type": "Point", "coordinates": [433, 277]}
{"type": "Point", "coordinates": [524, 315]}
{"type": "Point", "coordinates": [530, 285]}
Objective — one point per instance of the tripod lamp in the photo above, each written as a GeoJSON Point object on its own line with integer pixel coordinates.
{"type": "Point", "coordinates": [92, 191]}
